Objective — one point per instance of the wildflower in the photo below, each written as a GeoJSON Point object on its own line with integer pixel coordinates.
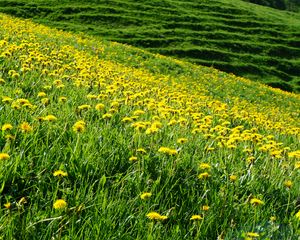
{"type": "Point", "coordinates": [62, 99]}
{"type": "Point", "coordinates": [126, 119]}
{"type": "Point", "coordinates": [168, 150]}
{"type": "Point", "coordinates": [7, 205]}
{"type": "Point", "coordinates": [84, 107]}
{"type": "Point", "coordinates": [297, 215]}
{"type": "Point", "coordinates": [233, 178]}
{"type": "Point", "coordinates": [138, 112]}
{"type": "Point", "coordinates": [273, 219]}
{"type": "Point", "coordinates": [107, 116]}
{"type": "Point", "coordinates": [7, 126]}
{"type": "Point", "coordinates": [50, 118]}
{"type": "Point", "coordinates": [252, 234]}
{"type": "Point", "coordinates": [182, 140]}
{"type": "Point", "coordinates": [256, 201]}
{"type": "Point", "coordinates": [6, 99]}
{"type": "Point", "coordinates": [59, 204]}
{"type": "Point", "coordinates": [288, 183]}
{"type": "Point", "coordinates": [133, 159]}
{"type": "Point", "coordinates": [45, 101]}
{"type": "Point", "coordinates": [141, 150]}
{"type": "Point", "coordinates": [4, 156]}
{"type": "Point", "coordinates": [99, 106]}
{"type": "Point", "coordinates": [22, 201]}
{"type": "Point", "coordinates": [297, 165]}
{"type": "Point", "coordinates": [26, 128]}
{"type": "Point", "coordinates": [42, 94]}
{"type": "Point", "coordinates": [204, 175]}
{"type": "Point", "coordinates": [60, 173]}
{"type": "Point", "coordinates": [204, 166]}
{"type": "Point", "coordinates": [156, 216]}
{"type": "Point", "coordinates": [145, 195]}
{"type": "Point", "coordinates": [79, 126]}
{"type": "Point", "coordinates": [205, 208]}
{"type": "Point", "coordinates": [196, 217]}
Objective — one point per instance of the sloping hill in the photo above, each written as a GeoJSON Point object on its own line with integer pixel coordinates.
{"type": "Point", "coordinates": [104, 141]}
{"type": "Point", "coordinates": [289, 5]}
{"type": "Point", "coordinates": [247, 39]}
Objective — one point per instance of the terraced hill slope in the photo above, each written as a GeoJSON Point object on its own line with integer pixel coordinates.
{"type": "Point", "coordinates": [247, 39]}
{"type": "Point", "coordinates": [104, 141]}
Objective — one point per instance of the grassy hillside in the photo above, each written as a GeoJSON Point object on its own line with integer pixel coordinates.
{"type": "Point", "coordinates": [104, 141]}
{"type": "Point", "coordinates": [249, 40]}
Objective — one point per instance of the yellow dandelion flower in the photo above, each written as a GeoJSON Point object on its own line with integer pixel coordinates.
{"type": "Point", "coordinates": [59, 204]}
{"type": "Point", "coordinates": [297, 165]}
{"type": "Point", "coordinates": [145, 195]}
{"type": "Point", "coordinates": [233, 178]}
{"type": "Point", "coordinates": [196, 218]}
{"type": "Point", "coordinates": [99, 106]}
{"type": "Point", "coordinates": [60, 173]}
{"type": "Point", "coordinates": [168, 151]}
{"type": "Point", "coordinates": [273, 219]}
{"type": "Point", "coordinates": [127, 120]}
{"type": "Point", "coordinates": [7, 126]}
{"type": "Point", "coordinates": [256, 201]}
{"type": "Point", "coordinates": [4, 156]}
{"type": "Point", "coordinates": [45, 101]}
{"type": "Point", "coordinates": [252, 234]}
{"type": "Point", "coordinates": [288, 183]}
{"type": "Point", "coordinates": [6, 99]}
{"type": "Point", "coordinates": [205, 208]}
{"type": "Point", "coordinates": [297, 215]}
{"type": "Point", "coordinates": [62, 99]}
{"type": "Point", "coordinates": [84, 107]}
{"type": "Point", "coordinates": [182, 140]}
{"type": "Point", "coordinates": [141, 150]}
{"type": "Point", "coordinates": [26, 128]}
{"type": "Point", "coordinates": [138, 112]}
{"type": "Point", "coordinates": [107, 116]}
{"type": "Point", "coordinates": [133, 159]}
{"type": "Point", "coordinates": [204, 166]}
{"type": "Point", "coordinates": [7, 205]}
{"type": "Point", "coordinates": [79, 126]}
{"type": "Point", "coordinates": [42, 94]}
{"type": "Point", "coordinates": [50, 118]}
{"type": "Point", "coordinates": [156, 216]}
{"type": "Point", "coordinates": [204, 175]}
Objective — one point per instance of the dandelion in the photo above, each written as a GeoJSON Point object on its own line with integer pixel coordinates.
{"type": "Point", "coordinates": [59, 204]}
{"type": "Point", "coordinates": [133, 159]}
{"type": "Point", "coordinates": [252, 234]}
{"type": "Point", "coordinates": [145, 195]}
{"type": "Point", "coordinates": [233, 178]}
{"type": "Point", "coordinates": [6, 99]}
{"type": "Point", "coordinates": [84, 107]}
{"type": "Point", "coordinates": [107, 116]}
{"type": "Point", "coordinates": [156, 216]}
{"type": "Point", "coordinates": [26, 128]}
{"type": "Point", "coordinates": [256, 201]}
{"type": "Point", "coordinates": [99, 106]}
{"type": "Point", "coordinates": [141, 150]}
{"type": "Point", "coordinates": [60, 173]}
{"type": "Point", "coordinates": [79, 126]}
{"type": "Point", "coordinates": [204, 175]}
{"type": "Point", "coordinates": [7, 126]}
{"type": "Point", "coordinates": [62, 99]}
{"type": "Point", "coordinates": [204, 166]}
{"type": "Point", "coordinates": [50, 118]}
{"type": "Point", "coordinates": [45, 101]}
{"type": "Point", "coordinates": [196, 218]}
{"type": "Point", "coordinates": [297, 165]}
{"type": "Point", "coordinates": [126, 120]}
{"type": "Point", "coordinates": [205, 208]}
{"type": "Point", "coordinates": [297, 215]}
{"type": "Point", "coordinates": [182, 140]}
{"type": "Point", "coordinates": [4, 156]}
{"type": "Point", "coordinates": [42, 94]}
{"type": "Point", "coordinates": [273, 219]}
{"type": "Point", "coordinates": [7, 205]}
{"type": "Point", "coordinates": [288, 183]}
{"type": "Point", "coordinates": [168, 151]}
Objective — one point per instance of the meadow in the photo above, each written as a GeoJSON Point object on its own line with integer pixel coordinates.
{"type": "Point", "coordinates": [101, 140]}
{"type": "Point", "coordinates": [249, 40]}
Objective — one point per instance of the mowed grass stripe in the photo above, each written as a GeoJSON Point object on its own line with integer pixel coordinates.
{"type": "Point", "coordinates": [181, 28]}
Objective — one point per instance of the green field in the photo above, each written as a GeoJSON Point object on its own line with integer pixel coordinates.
{"type": "Point", "coordinates": [100, 140]}
{"type": "Point", "coordinates": [249, 40]}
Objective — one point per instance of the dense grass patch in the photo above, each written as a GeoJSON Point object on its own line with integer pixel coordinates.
{"type": "Point", "coordinates": [104, 141]}
{"type": "Point", "coordinates": [246, 39]}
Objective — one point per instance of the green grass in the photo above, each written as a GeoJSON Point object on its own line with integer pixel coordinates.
{"type": "Point", "coordinates": [243, 38]}
{"type": "Point", "coordinates": [232, 126]}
